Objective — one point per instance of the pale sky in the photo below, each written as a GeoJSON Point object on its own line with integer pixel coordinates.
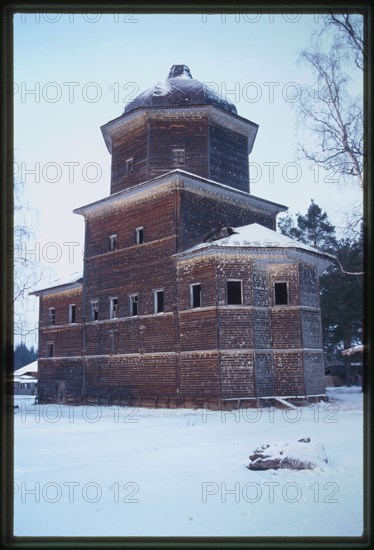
{"type": "Point", "coordinates": [74, 73]}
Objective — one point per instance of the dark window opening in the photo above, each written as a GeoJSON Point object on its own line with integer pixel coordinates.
{"type": "Point", "coordinates": [112, 242]}
{"type": "Point", "coordinates": [113, 308]}
{"type": "Point", "coordinates": [134, 301]}
{"type": "Point", "coordinates": [72, 310]}
{"type": "Point", "coordinates": [139, 235]}
{"type": "Point", "coordinates": [51, 315]}
{"type": "Point", "coordinates": [159, 301]}
{"type": "Point", "coordinates": [129, 166]}
{"type": "Point", "coordinates": [219, 233]}
{"type": "Point", "coordinates": [234, 293]}
{"type": "Point", "coordinates": [178, 157]}
{"type": "Point", "coordinates": [195, 295]}
{"type": "Point", "coordinates": [50, 349]}
{"type": "Point", "coordinates": [280, 294]}
{"type": "Point", "coordinates": [95, 310]}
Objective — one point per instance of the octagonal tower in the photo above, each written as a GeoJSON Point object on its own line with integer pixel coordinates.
{"type": "Point", "coordinates": [180, 123]}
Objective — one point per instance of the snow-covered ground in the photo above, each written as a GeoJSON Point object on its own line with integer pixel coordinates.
{"type": "Point", "coordinates": [115, 471]}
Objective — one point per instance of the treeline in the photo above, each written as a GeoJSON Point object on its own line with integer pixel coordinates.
{"type": "Point", "coordinates": [24, 355]}
{"type": "Point", "coordinates": [342, 284]}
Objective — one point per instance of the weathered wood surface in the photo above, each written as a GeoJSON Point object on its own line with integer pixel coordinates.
{"type": "Point", "coordinates": [183, 356]}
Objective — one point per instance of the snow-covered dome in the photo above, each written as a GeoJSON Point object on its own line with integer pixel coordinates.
{"type": "Point", "coordinates": [179, 89]}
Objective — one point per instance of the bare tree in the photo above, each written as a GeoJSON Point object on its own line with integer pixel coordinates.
{"type": "Point", "coordinates": [26, 271]}
{"type": "Point", "coordinates": [351, 28]}
{"type": "Point", "coordinates": [331, 118]}
{"type": "Point", "coordinates": [351, 226]}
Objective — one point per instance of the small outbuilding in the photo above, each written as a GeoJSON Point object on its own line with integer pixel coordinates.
{"type": "Point", "coordinates": [25, 379]}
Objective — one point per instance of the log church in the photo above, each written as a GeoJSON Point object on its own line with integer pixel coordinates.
{"type": "Point", "coordinates": [188, 297]}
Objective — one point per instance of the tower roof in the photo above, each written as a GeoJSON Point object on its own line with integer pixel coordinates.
{"type": "Point", "coordinates": [179, 89]}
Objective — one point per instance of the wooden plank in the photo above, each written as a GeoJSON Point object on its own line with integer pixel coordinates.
{"type": "Point", "coordinates": [285, 403]}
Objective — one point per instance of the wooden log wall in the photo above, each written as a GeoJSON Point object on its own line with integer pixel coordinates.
{"type": "Point", "coordinates": [132, 144]}
{"type": "Point", "coordinates": [201, 214]}
{"type": "Point", "coordinates": [188, 134]}
{"type": "Point", "coordinates": [60, 300]}
{"type": "Point", "coordinates": [66, 337]}
{"type": "Point", "coordinates": [210, 150]}
{"type": "Point", "coordinates": [228, 157]}
{"type": "Point", "coordinates": [183, 355]}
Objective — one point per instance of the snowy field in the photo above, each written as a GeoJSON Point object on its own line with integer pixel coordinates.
{"type": "Point", "coordinates": [115, 471]}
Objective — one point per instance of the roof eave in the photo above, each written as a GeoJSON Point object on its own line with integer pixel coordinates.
{"type": "Point", "coordinates": [57, 288]}
{"type": "Point", "coordinates": [257, 202]}
{"type": "Point", "coordinates": [110, 127]}
{"type": "Point", "coordinates": [322, 260]}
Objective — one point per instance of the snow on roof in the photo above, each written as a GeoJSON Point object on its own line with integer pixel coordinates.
{"type": "Point", "coordinates": [72, 278]}
{"type": "Point", "coordinates": [255, 235]}
{"type": "Point", "coordinates": [180, 88]}
{"type": "Point", "coordinates": [31, 367]}
{"type": "Point", "coordinates": [25, 379]}
{"type": "Point", "coordinates": [68, 279]}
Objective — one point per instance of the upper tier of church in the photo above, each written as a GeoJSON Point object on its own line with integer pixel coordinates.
{"type": "Point", "coordinates": [180, 123]}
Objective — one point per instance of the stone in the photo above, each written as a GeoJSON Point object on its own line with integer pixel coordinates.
{"type": "Point", "coordinates": [298, 455]}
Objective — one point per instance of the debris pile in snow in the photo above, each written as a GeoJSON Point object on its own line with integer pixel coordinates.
{"type": "Point", "coordinates": [300, 455]}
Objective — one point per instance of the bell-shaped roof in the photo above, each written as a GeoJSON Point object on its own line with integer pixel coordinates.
{"type": "Point", "coordinates": [179, 89]}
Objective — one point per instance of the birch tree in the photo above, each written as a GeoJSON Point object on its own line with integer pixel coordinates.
{"type": "Point", "coordinates": [330, 112]}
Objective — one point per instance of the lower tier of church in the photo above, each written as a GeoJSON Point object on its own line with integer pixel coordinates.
{"type": "Point", "coordinates": [233, 320]}
{"type": "Point", "coordinates": [190, 379]}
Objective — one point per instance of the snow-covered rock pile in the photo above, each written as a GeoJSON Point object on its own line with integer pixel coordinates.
{"type": "Point", "coordinates": [300, 455]}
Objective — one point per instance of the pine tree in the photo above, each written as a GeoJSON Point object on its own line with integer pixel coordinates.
{"type": "Point", "coordinates": [342, 297]}
{"type": "Point", "coordinates": [341, 294]}
{"type": "Point", "coordinates": [314, 228]}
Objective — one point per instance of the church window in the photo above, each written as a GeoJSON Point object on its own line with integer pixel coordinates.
{"type": "Point", "coordinates": [134, 301]}
{"type": "Point", "coordinates": [178, 157]}
{"type": "Point", "coordinates": [195, 295]}
{"type": "Point", "coordinates": [95, 310]}
{"type": "Point", "coordinates": [280, 294]}
{"type": "Point", "coordinates": [139, 235]}
{"type": "Point", "coordinates": [112, 242]}
{"type": "Point", "coordinates": [129, 166]}
{"type": "Point", "coordinates": [113, 308]}
{"type": "Point", "coordinates": [72, 309]}
{"type": "Point", "coordinates": [51, 315]}
{"type": "Point", "coordinates": [50, 349]}
{"type": "Point", "coordinates": [234, 293]}
{"type": "Point", "coordinates": [158, 301]}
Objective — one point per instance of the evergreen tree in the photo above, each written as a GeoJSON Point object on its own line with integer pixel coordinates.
{"type": "Point", "coordinates": [342, 298]}
{"type": "Point", "coordinates": [23, 355]}
{"type": "Point", "coordinates": [314, 228]}
{"type": "Point", "coordinates": [341, 293]}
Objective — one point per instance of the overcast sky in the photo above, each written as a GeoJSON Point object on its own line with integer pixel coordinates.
{"type": "Point", "coordinates": [74, 73]}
